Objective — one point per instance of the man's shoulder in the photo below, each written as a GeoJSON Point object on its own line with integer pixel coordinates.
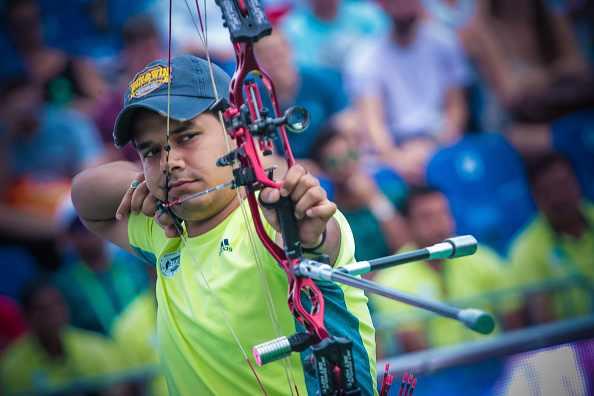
{"type": "Point", "coordinates": [134, 315]}
{"type": "Point", "coordinates": [90, 346]}
{"type": "Point", "coordinates": [17, 353]}
{"type": "Point", "coordinates": [536, 232]}
{"type": "Point", "coordinates": [435, 32]}
{"type": "Point", "coordinates": [368, 53]}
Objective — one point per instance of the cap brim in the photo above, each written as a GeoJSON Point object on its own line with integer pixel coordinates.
{"type": "Point", "coordinates": [181, 108]}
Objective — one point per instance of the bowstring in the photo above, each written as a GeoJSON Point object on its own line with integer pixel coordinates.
{"type": "Point", "coordinates": [178, 228]}
{"type": "Point", "coordinates": [268, 297]}
{"type": "Point", "coordinates": [203, 35]}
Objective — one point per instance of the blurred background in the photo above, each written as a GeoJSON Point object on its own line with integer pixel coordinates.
{"type": "Point", "coordinates": [430, 118]}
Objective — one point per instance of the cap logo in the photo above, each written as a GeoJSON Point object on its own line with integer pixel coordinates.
{"type": "Point", "coordinates": [148, 80]}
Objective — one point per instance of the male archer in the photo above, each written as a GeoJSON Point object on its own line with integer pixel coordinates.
{"type": "Point", "coordinates": [118, 201]}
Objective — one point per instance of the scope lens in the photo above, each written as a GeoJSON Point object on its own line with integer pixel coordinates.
{"type": "Point", "coordinates": [297, 119]}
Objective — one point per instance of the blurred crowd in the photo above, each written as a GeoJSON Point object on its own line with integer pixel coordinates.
{"type": "Point", "coordinates": [429, 119]}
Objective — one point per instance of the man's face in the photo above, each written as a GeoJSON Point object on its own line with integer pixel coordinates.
{"type": "Point", "coordinates": [339, 159]}
{"type": "Point", "coordinates": [325, 9]}
{"type": "Point", "coordinates": [557, 193]}
{"type": "Point", "coordinates": [48, 312]}
{"type": "Point", "coordinates": [24, 24]}
{"type": "Point", "coordinates": [430, 219]}
{"type": "Point", "coordinates": [274, 56]}
{"type": "Point", "coordinates": [86, 242]}
{"type": "Point", "coordinates": [403, 13]}
{"type": "Point", "coordinates": [21, 107]}
{"type": "Point", "coordinates": [195, 147]}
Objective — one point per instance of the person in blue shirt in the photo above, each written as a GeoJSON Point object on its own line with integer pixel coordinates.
{"type": "Point", "coordinates": [317, 90]}
{"type": "Point", "coordinates": [366, 190]}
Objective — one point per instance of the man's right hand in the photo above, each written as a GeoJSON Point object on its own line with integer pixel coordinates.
{"type": "Point", "coordinates": [138, 199]}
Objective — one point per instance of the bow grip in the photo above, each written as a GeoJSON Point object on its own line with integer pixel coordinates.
{"type": "Point", "coordinates": [246, 25]}
{"type": "Point", "coordinates": [285, 211]}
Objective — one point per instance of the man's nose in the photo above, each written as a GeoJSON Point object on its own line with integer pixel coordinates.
{"type": "Point", "coordinates": [171, 160]}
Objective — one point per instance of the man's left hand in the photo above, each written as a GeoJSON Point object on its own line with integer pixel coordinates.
{"type": "Point", "coordinates": [313, 210]}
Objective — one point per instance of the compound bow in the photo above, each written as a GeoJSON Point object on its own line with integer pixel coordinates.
{"type": "Point", "coordinates": [246, 121]}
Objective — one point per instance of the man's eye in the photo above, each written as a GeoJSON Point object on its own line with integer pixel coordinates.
{"type": "Point", "coordinates": [151, 153]}
{"type": "Point", "coordinates": [187, 137]}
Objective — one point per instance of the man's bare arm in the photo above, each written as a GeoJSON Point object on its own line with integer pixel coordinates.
{"type": "Point", "coordinates": [97, 194]}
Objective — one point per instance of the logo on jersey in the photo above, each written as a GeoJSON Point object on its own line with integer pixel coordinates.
{"type": "Point", "coordinates": [225, 247]}
{"type": "Point", "coordinates": [148, 80]}
{"type": "Point", "coordinates": [169, 264]}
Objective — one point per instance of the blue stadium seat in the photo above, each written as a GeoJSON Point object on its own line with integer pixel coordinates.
{"type": "Point", "coordinates": [485, 180]}
{"type": "Point", "coordinates": [573, 136]}
{"type": "Point", "coordinates": [19, 267]}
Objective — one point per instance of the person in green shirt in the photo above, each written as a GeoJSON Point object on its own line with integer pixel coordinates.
{"type": "Point", "coordinates": [97, 280]}
{"type": "Point", "coordinates": [557, 246]}
{"type": "Point", "coordinates": [461, 281]}
{"type": "Point", "coordinates": [54, 357]}
{"type": "Point", "coordinates": [202, 350]}
{"type": "Point", "coordinates": [135, 331]}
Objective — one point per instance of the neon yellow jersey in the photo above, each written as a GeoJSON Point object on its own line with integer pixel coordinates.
{"type": "Point", "coordinates": [90, 360]}
{"type": "Point", "coordinates": [198, 352]}
{"type": "Point", "coordinates": [135, 331]}
{"type": "Point", "coordinates": [460, 278]}
{"type": "Point", "coordinates": [540, 254]}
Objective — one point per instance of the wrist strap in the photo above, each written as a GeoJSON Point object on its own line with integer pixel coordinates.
{"type": "Point", "coordinates": [313, 250]}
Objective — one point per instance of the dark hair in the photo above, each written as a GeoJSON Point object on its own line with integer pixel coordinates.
{"type": "Point", "coordinates": [137, 28]}
{"type": "Point", "coordinates": [325, 134]}
{"type": "Point", "coordinates": [31, 289]}
{"type": "Point", "coordinates": [415, 191]}
{"type": "Point", "coordinates": [539, 164]}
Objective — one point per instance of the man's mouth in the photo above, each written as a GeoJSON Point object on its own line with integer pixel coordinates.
{"type": "Point", "coordinates": [181, 185]}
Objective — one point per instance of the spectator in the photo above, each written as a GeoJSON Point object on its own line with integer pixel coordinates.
{"type": "Point", "coordinates": [430, 221]}
{"type": "Point", "coordinates": [43, 138]}
{"type": "Point", "coordinates": [135, 331]}
{"type": "Point", "coordinates": [408, 87]}
{"type": "Point", "coordinates": [367, 191]}
{"type": "Point", "coordinates": [530, 56]}
{"type": "Point", "coordinates": [141, 45]}
{"type": "Point", "coordinates": [54, 358]}
{"type": "Point", "coordinates": [65, 80]}
{"type": "Point", "coordinates": [557, 244]}
{"type": "Point", "coordinates": [187, 27]}
{"type": "Point", "coordinates": [97, 284]}
{"type": "Point", "coordinates": [321, 32]}
{"type": "Point", "coordinates": [42, 146]}
{"type": "Point", "coordinates": [318, 91]}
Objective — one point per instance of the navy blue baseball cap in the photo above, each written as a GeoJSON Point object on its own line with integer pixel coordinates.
{"type": "Point", "coordinates": [191, 92]}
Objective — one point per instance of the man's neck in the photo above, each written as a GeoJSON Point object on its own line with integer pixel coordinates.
{"type": "Point", "coordinates": [325, 13]}
{"type": "Point", "coordinates": [201, 227]}
{"type": "Point", "coordinates": [574, 228]}
{"type": "Point", "coordinates": [406, 39]}
{"type": "Point", "coordinates": [52, 343]}
{"type": "Point", "coordinates": [435, 264]}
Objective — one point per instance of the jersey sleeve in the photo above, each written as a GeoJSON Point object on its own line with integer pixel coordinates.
{"type": "Point", "coordinates": [347, 242]}
{"type": "Point", "coordinates": [141, 232]}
